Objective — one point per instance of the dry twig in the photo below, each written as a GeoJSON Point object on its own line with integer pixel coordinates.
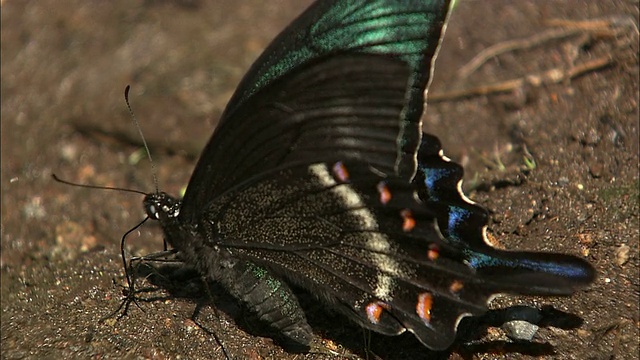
{"type": "Point", "coordinates": [548, 77]}
{"type": "Point", "coordinates": [602, 27]}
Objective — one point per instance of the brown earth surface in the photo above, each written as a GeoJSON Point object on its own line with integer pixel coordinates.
{"type": "Point", "coordinates": [64, 68]}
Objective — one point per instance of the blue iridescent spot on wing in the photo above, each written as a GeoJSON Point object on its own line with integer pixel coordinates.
{"type": "Point", "coordinates": [457, 216]}
{"type": "Point", "coordinates": [432, 178]}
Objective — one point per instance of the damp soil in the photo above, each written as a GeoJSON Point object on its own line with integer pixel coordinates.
{"type": "Point", "coordinates": [556, 164]}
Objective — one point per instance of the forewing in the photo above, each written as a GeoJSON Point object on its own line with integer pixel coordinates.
{"type": "Point", "coordinates": [267, 114]}
{"type": "Point", "coordinates": [346, 106]}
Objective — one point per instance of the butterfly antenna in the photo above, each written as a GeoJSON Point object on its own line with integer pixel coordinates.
{"type": "Point", "coordinates": [144, 141]}
{"type": "Point", "coordinates": [56, 178]}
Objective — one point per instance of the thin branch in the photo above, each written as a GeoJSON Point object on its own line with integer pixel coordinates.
{"type": "Point", "coordinates": [569, 28]}
{"type": "Point", "coordinates": [510, 45]}
{"type": "Point", "coordinates": [548, 77]}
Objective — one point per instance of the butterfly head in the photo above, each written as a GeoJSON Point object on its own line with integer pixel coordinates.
{"type": "Point", "coordinates": [161, 206]}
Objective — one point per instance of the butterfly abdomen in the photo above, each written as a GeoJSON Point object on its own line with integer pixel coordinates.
{"type": "Point", "coordinates": [271, 301]}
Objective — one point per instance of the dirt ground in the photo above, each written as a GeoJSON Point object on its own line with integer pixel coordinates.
{"type": "Point", "coordinates": [64, 69]}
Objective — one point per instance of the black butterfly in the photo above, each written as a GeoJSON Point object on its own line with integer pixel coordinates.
{"type": "Point", "coordinates": [318, 175]}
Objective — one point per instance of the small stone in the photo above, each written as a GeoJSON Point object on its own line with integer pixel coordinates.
{"type": "Point", "coordinates": [585, 238]}
{"type": "Point", "coordinates": [69, 152]}
{"type": "Point", "coordinates": [34, 208]}
{"type": "Point", "coordinates": [622, 254]}
{"type": "Point", "coordinates": [596, 170]}
{"type": "Point", "coordinates": [584, 334]}
{"type": "Point", "coordinates": [190, 325]}
{"type": "Point", "coordinates": [592, 137]}
{"type": "Point", "coordinates": [563, 181]}
{"type": "Point", "coordinates": [520, 330]}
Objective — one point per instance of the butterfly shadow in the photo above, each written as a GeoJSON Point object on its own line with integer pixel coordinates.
{"type": "Point", "coordinates": [178, 281]}
{"type": "Point", "coordinates": [471, 329]}
{"type": "Point", "coordinates": [175, 280]}
{"type": "Point", "coordinates": [472, 333]}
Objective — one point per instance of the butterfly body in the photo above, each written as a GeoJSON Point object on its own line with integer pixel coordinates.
{"type": "Point", "coordinates": [319, 176]}
{"type": "Point", "coordinates": [199, 244]}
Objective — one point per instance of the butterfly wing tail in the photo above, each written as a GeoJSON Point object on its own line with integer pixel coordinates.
{"type": "Point", "coordinates": [532, 273]}
{"type": "Point", "coordinates": [462, 224]}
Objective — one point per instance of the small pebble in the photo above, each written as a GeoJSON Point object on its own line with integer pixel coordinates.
{"type": "Point", "coordinates": [596, 169]}
{"type": "Point", "coordinates": [69, 152]}
{"type": "Point", "coordinates": [622, 254]}
{"type": "Point", "coordinates": [585, 238]}
{"type": "Point", "coordinates": [34, 209]}
{"type": "Point", "coordinates": [563, 181]}
{"type": "Point", "coordinates": [520, 330]}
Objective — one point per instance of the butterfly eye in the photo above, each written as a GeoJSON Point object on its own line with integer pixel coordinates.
{"type": "Point", "coordinates": [152, 212]}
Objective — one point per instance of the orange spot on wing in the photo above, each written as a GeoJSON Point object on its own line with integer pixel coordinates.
{"type": "Point", "coordinates": [340, 171]}
{"type": "Point", "coordinates": [385, 194]}
{"type": "Point", "coordinates": [456, 286]}
{"type": "Point", "coordinates": [434, 252]}
{"type": "Point", "coordinates": [374, 311]}
{"type": "Point", "coordinates": [424, 305]}
{"type": "Point", "coordinates": [408, 221]}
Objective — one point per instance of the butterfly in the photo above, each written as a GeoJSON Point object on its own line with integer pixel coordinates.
{"type": "Point", "coordinates": [318, 176]}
